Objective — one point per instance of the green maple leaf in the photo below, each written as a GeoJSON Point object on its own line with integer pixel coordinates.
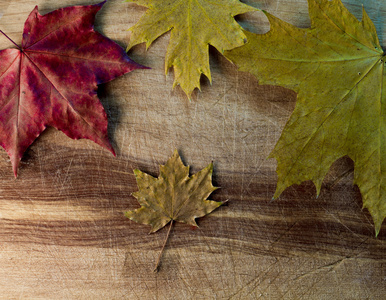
{"type": "Point", "coordinates": [194, 25]}
{"type": "Point", "coordinates": [337, 69]}
{"type": "Point", "coordinates": [173, 196]}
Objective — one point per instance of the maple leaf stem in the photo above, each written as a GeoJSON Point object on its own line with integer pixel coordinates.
{"type": "Point", "coordinates": [10, 39]}
{"type": "Point", "coordinates": [156, 269]}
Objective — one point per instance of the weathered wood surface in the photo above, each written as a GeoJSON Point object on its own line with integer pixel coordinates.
{"type": "Point", "coordinates": [62, 230]}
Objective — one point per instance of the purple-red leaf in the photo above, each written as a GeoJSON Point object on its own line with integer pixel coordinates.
{"type": "Point", "coordinates": [51, 80]}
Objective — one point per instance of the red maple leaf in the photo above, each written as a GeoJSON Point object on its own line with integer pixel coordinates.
{"type": "Point", "coordinates": [52, 78]}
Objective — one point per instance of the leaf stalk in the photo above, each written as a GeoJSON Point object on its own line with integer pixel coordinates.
{"type": "Point", "coordinates": [157, 266]}
{"type": "Point", "coordinates": [10, 39]}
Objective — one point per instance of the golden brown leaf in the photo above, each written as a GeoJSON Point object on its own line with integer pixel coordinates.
{"type": "Point", "coordinates": [173, 196]}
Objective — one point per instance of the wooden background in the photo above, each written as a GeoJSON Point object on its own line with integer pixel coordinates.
{"type": "Point", "coordinates": [62, 230]}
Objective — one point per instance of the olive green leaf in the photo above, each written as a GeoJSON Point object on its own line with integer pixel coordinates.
{"type": "Point", "coordinates": [337, 69]}
{"type": "Point", "coordinates": [194, 25]}
{"type": "Point", "coordinates": [173, 196]}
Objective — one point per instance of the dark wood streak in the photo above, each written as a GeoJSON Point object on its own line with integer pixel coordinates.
{"type": "Point", "coordinates": [254, 224]}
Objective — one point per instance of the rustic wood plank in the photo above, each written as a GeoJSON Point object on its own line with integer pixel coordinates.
{"type": "Point", "coordinates": [62, 230]}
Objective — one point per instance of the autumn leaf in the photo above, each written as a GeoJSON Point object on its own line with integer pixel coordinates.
{"type": "Point", "coordinates": [194, 25]}
{"type": "Point", "coordinates": [337, 69]}
{"type": "Point", "coordinates": [52, 78]}
{"type": "Point", "coordinates": [173, 196]}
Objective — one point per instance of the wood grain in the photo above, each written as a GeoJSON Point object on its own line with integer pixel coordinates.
{"type": "Point", "coordinates": [63, 234]}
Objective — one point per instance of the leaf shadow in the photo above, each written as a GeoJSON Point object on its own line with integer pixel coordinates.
{"type": "Point", "coordinates": [113, 112]}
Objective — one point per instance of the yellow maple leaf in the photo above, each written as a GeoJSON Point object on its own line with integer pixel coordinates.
{"type": "Point", "coordinates": [337, 69]}
{"type": "Point", "coordinates": [194, 25]}
{"type": "Point", "coordinates": [173, 196]}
